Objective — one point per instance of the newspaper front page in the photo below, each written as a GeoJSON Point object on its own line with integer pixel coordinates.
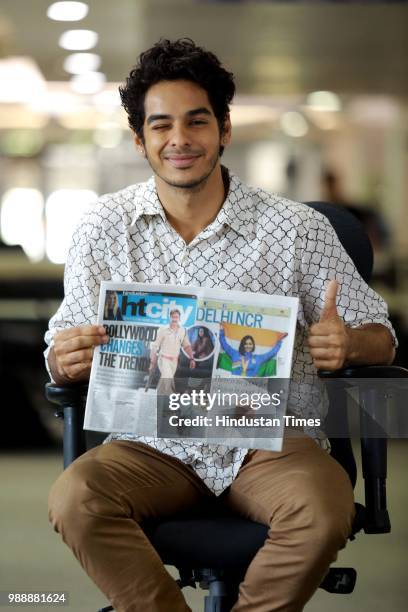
{"type": "Point", "coordinates": [192, 362]}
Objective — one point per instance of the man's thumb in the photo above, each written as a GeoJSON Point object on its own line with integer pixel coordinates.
{"type": "Point", "coordinates": [329, 310]}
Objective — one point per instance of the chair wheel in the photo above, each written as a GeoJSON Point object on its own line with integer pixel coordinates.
{"type": "Point", "coordinates": [340, 580]}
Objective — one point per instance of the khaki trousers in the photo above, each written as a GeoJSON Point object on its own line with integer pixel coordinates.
{"type": "Point", "coordinates": [168, 368]}
{"type": "Point", "coordinates": [302, 493]}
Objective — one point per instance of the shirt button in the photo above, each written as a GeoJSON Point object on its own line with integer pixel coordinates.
{"type": "Point", "coordinates": [184, 257]}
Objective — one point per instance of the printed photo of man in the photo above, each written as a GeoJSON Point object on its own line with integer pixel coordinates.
{"type": "Point", "coordinates": [165, 352]}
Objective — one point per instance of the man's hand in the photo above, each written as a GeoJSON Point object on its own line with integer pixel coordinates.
{"type": "Point", "coordinates": [192, 364]}
{"type": "Point", "coordinates": [70, 358]}
{"type": "Point", "coordinates": [329, 340]}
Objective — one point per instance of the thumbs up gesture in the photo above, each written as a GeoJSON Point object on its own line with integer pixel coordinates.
{"type": "Point", "coordinates": [329, 340]}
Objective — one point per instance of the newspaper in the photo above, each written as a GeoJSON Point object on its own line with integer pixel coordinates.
{"type": "Point", "coordinates": [194, 363]}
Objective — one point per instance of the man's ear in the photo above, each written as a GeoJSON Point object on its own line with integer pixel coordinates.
{"type": "Point", "coordinates": [139, 145]}
{"type": "Point", "coordinates": [226, 132]}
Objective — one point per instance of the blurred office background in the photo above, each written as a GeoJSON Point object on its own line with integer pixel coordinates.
{"type": "Point", "coordinates": [321, 113]}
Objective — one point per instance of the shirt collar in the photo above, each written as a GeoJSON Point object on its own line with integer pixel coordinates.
{"type": "Point", "coordinates": [147, 201]}
{"type": "Point", "coordinates": [236, 212]}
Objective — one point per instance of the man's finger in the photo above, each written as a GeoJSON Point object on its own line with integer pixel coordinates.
{"type": "Point", "coordinates": [326, 364]}
{"type": "Point", "coordinates": [85, 330]}
{"type": "Point", "coordinates": [81, 356]}
{"type": "Point", "coordinates": [320, 341]}
{"type": "Point", "coordinates": [329, 310]}
{"type": "Point", "coordinates": [77, 343]}
{"type": "Point", "coordinates": [323, 353]}
{"type": "Point", "coordinates": [78, 371]}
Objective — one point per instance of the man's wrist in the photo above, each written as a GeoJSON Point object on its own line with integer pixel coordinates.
{"type": "Point", "coordinates": [352, 347]}
{"type": "Point", "coordinates": [369, 344]}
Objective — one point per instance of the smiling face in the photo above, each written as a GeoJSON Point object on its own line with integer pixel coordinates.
{"type": "Point", "coordinates": [181, 135]}
{"type": "Point", "coordinates": [249, 345]}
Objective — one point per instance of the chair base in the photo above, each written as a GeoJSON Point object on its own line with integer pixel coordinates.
{"type": "Point", "coordinates": [223, 588]}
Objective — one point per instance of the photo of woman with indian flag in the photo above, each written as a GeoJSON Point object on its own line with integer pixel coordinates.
{"type": "Point", "coordinates": [248, 351]}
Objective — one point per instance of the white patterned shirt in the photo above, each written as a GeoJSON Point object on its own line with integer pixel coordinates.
{"type": "Point", "coordinates": [258, 242]}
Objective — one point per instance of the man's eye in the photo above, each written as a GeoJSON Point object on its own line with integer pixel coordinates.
{"type": "Point", "coordinates": [160, 126]}
{"type": "Point", "coordinates": [199, 122]}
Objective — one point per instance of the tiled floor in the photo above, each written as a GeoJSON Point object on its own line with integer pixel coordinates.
{"type": "Point", "coordinates": [33, 557]}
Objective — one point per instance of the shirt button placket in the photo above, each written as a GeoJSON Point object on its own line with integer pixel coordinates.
{"type": "Point", "coordinates": [184, 263]}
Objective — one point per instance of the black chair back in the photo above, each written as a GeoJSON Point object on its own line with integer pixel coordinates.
{"type": "Point", "coordinates": [354, 239]}
{"type": "Point", "coordinates": [352, 235]}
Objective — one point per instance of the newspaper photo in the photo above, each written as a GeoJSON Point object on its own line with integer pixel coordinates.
{"type": "Point", "coordinates": [192, 362]}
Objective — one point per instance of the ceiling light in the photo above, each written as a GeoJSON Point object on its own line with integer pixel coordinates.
{"type": "Point", "coordinates": [88, 83]}
{"type": "Point", "coordinates": [78, 40]}
{"type": "Point", "coordinates": [324, 101]}
{"type": "Point", "coordinates": [67, 11]}
{"type": "Point", "coordinates": [78, 63]}
{"type": "Point", "coordinates": [294, 124]}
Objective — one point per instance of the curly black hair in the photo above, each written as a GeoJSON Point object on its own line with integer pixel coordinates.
{"type": "Point", "coordinates": [170, 61]}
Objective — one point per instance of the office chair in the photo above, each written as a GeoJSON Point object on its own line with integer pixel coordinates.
{"type": "Point", "coordinates": [215, 547]}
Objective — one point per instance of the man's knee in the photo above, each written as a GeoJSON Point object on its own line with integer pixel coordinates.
{"type": "Point", "coordinates": [317, 516]}
{"type": "Point", "coordinates": [327, 523]}
{"type": "Point", "coordinates": [73, 499]}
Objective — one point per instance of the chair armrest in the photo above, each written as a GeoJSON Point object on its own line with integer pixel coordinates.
{"type": "Point", "coordinates": [71, 401]}
{"type": "Point", "coordinates": [74, 395]}
{"type": "Point", "coordinates": [373, 440]}
{"type": "Point", "coordinates": [372, 371]}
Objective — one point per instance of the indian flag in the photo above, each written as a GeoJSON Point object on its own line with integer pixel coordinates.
{"type": "Point", "coordinates": [265, 340]}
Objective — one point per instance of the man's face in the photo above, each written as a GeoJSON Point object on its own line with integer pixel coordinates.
{"type": "Point", "coordinates": [181, 134]}
{"type": "Point", "coordinates": [174, 318]}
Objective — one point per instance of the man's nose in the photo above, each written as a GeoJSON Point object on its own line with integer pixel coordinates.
{"type": "Point", "coordinates": [180, 136]}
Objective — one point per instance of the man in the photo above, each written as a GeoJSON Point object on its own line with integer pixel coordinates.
{"type": "Point", "coordinates": [195, 223]}
{"type": "Point", "coordinates": [165, 351]}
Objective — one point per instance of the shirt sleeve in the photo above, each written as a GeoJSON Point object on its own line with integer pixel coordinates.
{"type": "Point", "coordinates": [324, 258]}
{"type": "Point", "coordinates": [231, 352]}
{"type": "Point", "coordinates": [85, 268]}
{"type": "Point", "coordinates": [155, 345]}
